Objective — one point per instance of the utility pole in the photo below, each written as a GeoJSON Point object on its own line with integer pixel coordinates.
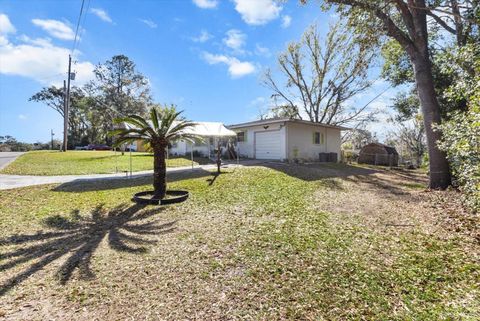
{"type": "Point", "coordinates": [51, 135]}
{"type": "Point", "coordinates": [65, 118]}
{"type": "Point", "coordinates": [67, 104]}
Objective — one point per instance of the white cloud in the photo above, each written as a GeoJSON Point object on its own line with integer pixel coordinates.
{"type": "Point", "coordinates": [55, 28]}
{"type": "Point", "coordinates": [6, 26]}
{"type": "Point", "coordinates": [236, 68]}
{"type": "Point", "coordinates": [203, 37]}
{"type": "Point", "coordinates": [286, 21]}
{"type": "Point", "coordinates": [260, 103]}
{"type": "Point", "coordinates": [262, 51]}
{"type": "Point", "coordinates": [235, 39]}
{"type": "Point", "coordinates": [102, 14]}
{"type": "Point", "coordinates": [41, 42]}
{"type": "Point", "coordinates": [42, 61]}
{"type": "Point", "coordinates": [206, 4]}
{"type": "Point", "coordinates": [22, 117]}
{"type": "Point", "coordinates": [3, 40]}
{"type": "Point", "coordinates": [257, 12]}
{"type": "Point", "coordinates": [149, 23]}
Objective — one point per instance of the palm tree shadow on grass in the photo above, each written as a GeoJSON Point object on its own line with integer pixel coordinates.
{"type": "Point", "coordinates": [78, 238]}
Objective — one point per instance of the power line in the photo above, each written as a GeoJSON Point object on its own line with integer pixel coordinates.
{"type": "Point", "coordinates": [82, 25]}
{"type": "Point", "coordinates": [52, 76]}
{"type": "Point", "coordinates": [78, 26]}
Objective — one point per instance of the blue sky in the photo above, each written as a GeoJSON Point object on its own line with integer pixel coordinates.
{"type": "Point", "coordinates": [205, 56]}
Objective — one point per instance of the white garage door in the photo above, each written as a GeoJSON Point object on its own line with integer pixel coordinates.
{"type": "Point", "coordinates": [267, 145]}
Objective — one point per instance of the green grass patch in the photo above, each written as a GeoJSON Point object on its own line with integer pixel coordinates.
{"type": "Point", "coordinates": [414, 185]}
{"type": "Point", "coordinates": [86, 162]}
{"type": "Point", "coordinates": [248, 244]}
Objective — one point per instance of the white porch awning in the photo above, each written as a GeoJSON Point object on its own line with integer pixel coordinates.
{"type": "Point", "coordinates": [210, 129]}
{"type": "Point", "coordinates": [201, 129]}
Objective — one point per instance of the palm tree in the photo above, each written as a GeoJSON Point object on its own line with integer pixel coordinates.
{"type": "Point", "coordinates": [165, 125]}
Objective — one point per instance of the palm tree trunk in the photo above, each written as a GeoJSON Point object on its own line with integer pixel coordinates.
{"type": "Point", "coordinates": [159, 172]}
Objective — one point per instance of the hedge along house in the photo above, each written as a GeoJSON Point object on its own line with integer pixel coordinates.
{"type": "Point", "coordinates": [287, 139]}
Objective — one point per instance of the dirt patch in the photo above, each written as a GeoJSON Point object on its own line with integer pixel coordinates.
{"type": "Point", "coordinates": [394, 202]}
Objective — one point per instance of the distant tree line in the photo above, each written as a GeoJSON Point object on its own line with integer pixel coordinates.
{"type": "Point", "coordinates": [11, 144]}
{"type": "Point", "coordinates": [117, 90]}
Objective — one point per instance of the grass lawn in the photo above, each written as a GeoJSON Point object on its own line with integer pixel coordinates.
{"type": "Point", "coordinates": [285, 242]}
{"type": "Point", "coordinates": [85, 162]}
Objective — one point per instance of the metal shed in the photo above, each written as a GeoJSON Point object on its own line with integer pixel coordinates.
{"type": "Point", "coordinates": [378, 154]}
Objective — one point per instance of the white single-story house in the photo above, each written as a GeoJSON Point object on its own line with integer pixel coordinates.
{"type": "Point", "coordinates": [209, 132]}
{"type": "Point", "coordinates": [287, 139]}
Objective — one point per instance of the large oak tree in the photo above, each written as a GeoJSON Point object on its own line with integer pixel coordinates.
{"type": "Point", "coordinates": [406, 22]}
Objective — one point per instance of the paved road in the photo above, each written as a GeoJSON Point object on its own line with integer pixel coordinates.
{"type": "Point", "coordinates": [8, 157]}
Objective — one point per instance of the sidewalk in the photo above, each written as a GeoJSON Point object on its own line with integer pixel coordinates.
{"type": "Point", "coordinates": [8, 157]}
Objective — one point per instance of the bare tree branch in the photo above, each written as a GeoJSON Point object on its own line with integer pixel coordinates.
{"type": "Point", "coordinates": [321, 80]}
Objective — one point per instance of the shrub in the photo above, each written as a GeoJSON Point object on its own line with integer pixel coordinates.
{"type": "Point", "coordinates": [350, 156]}
{"type": "Point", "coordinates": [461, 142]}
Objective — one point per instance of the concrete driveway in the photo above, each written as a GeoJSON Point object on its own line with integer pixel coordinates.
{"type": "Point", "coordinates": [17, 181]}
{"type": "Point", "coordinates": [8, 157]}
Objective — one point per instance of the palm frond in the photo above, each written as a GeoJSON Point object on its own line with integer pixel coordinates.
{"type": "Point", "coordinates": [124, 140]}
{"type": "Point", "coordinates": [140, 120]}
{"type": "Point", "coordinates": [128, 131]}
{"type": "Point", "coordinates": [131, 120]}
{"type": "Point", "coordinates": [168, 119]}
{"type": "Point", "coordinates": [179, 128]}
{"type": "Point", "coordinates": [154, 118]}
{"type": "Point", "coordinates": [115, 132]}
{"type": "Point", "coordinates": [188, 137]}
{"type": "Point", "coordinates": [137, 122]}
{"type": "Point", "coordinates": [165, 124]}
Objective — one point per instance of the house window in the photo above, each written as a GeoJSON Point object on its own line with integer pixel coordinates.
{"type": "Point", "coordinates": [318, 138]}
{"type": "Point", "coordinates": [241, 137]}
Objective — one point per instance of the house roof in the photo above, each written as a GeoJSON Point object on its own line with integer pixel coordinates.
{"type": "Point", "coordinates": [281, 120]}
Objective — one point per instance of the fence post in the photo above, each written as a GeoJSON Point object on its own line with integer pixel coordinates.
{"type": "Point", "coordinates": [375, 159]}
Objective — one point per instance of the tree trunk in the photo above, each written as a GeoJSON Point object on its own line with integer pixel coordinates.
{"type": "Point", "coordinates": [159, 172]}
{"type": "Point", "coordinates": [438, 165]}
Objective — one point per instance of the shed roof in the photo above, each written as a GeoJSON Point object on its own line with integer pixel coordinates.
{"type": "Point", "coordinates": [281, 120]}
{"type": "Point", "coordinates": [388, 149]}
